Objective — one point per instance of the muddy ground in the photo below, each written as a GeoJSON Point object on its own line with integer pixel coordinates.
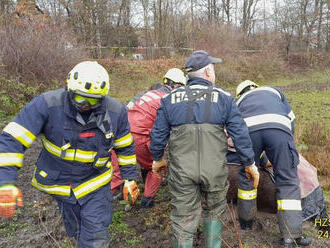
{"type": "Point", "coordinates": [39, 225]}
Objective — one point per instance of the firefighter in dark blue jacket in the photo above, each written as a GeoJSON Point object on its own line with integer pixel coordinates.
{"type": "Point", "coordinates": [270, 120]}
{"type": "Point", "coordinates": [192, 119]}
{"type": "Point", "coordinates": [78, 127]}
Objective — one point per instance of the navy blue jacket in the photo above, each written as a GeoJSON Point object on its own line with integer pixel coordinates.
{"type": "Point", "coordinates": [266, 107]}
{"type": "Point", "coordinates": [75, 155]}
{"type": "Point", "coordinates": [212, 105]}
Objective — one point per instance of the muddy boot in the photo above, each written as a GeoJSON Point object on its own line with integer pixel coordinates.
{"type": "Point", "coordinates": [245, 224]}
{"type": "Point", "coordinates": [147, 202]}
{"type": "Point", "coordinates": [301, 241]}
{"type": "Point", "coordinates": [212, 232]}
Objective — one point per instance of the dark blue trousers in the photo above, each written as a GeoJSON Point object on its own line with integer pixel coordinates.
{"type": "Point", "coordinates": [89, 222]}
{"type": "Point", "coordinates": [281, 151]}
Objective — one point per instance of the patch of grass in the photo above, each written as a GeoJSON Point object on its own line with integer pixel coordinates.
{"type": "Point", "coordinates": [308, 78]}
{"type": "Point", "coordinates": [311, 106]}
{"type": "Point", "coordinates": [10, 228]}
{"type": "Point", "coordinates": [120, 231]}
{"type": "Point", "coordinates": [118, 222]}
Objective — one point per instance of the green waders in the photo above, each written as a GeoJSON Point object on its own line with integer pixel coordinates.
{"type": "Point", "coordinates": [197, 170]}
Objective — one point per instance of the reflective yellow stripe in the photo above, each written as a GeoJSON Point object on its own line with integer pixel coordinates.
{"type": "Point", "coordinates": [66, 146]}
{"type": "Point", "coordinates": [268, 118]}
{"type": "Point", "coordinates": [247, 195]}
{"type": "Point", "coordinates": [85, 156]}
{"type": "Point", "coordinates": [101, 161]}
{"type": "Point", "coordinates": [93, 184]}
{"type": "Point", "coordinates": [8, 204]}
{"type": "Point", "coordinates": [288, 204]}
{"type": "Point", "coordinates": [43, 173]}
{"type": "Point", "coordinates": [70, 154]}
{"type": "Point", "coordinates": [124, 141]}
{"type": "Point", "coordinates": [51, 189]}
{"type": "Point", "coordinates": [125, 160]}
{"type": "Point", "coordinates": [11, 159]}
{"type": "Point", "coordinates": [109, 164]}
{"type": "Point", "coordinates": [20, 133]}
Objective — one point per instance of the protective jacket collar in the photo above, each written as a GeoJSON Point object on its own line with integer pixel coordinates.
{"type": "Point", "coordinates": [201, 81]}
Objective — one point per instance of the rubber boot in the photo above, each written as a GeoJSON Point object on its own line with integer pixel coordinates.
{"type": "Point", "coordinates": [245, 224]}
{"type": "Point", "coordinates": [183, 244]}
{"type": "Point", "coordinates": [175, 243]}
{"type": "Point", "coordinates": [147, 202]}
{"type": "Point", "coordinates": [212, 232]}
{"type": "Point", "coordinates": [292, 243]}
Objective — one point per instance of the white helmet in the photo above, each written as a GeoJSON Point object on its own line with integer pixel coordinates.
{"type": "Point", "coordinates": [175, 75]}
{"type": "Point", "coordinates": [89, 79]}
{"type": "Point", "coordinates": [243, 85]}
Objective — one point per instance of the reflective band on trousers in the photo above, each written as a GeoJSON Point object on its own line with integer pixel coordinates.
{"type": "Point", "coordinates": [125, 160]}
{"type": "Point", "coordinates": [11, 159]}
{"type": "Point", "coordinates": [291, 115]}
{"type": "Point", "coordinates": [288, 204]}
{"type": "Point", "coordinates": [93, 184]}
{"type": "Point", "coordinates": [69, 154]}
{"type": "Point", "coordinates": [268, 118]}
{"type": "Point", "coordinates": [80, 191]}
{"type": "Point", "coordinates": [247, 195]}
{"type": "Point", "coordinates": [20, 133]}
{"type": "Point", "coordinates": [265, 88]}
{"type": "Point", "coordinates": [123, 141]}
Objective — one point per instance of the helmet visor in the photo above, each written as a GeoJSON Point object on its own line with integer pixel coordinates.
{"type": "Point", "coordinates": [92, 101]}
{"type": "Point", "coordinates": [84, 103]}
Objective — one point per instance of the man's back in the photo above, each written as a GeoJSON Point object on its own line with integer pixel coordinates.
{"type": "Point", "coordinates": [142, 114]}
{"type": "Point", "coordinates": [199, 103]}
{"type": "Point", "coordinates": [266, 107]}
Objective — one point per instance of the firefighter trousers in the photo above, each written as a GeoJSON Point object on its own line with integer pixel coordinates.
{"type": "Point", "coordinates": [282, 153]}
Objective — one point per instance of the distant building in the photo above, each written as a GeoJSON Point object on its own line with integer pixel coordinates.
{"type": "Point", "coordinates": [139, 53]}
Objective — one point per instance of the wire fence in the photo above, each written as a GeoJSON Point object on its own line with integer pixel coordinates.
{"type": "Point", "coordinates": [137, 53]}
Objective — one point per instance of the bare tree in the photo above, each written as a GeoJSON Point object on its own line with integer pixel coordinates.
{"type": "Point", "coordinates": [6, 6]}
{"type": "Point", "coordinates": [248, 12]}
{"type": "Point", "coordinates": [124, 13]}
{"type": "Point", "coordinates": [319, 25]}
{"type": "Point", "coordinates": [328, 28]}
{"type": "Point", "coordinates": [226, 5]}
{"type": "Point", "coordinates": [287, 23]}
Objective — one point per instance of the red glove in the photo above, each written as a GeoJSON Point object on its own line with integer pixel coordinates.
{"type": "Point", "coordinates": [131, 191]}
{"type": "Point", "coordinates": [10, 197]}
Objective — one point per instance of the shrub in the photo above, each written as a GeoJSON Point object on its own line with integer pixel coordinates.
{"type": "Point", "coordinates": [36, 51]}
{"type": "Point", "coordinates": [316, 140]}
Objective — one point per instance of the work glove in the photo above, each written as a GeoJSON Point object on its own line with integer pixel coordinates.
{"type": "Point", "coordinates": [158, 165]}
{"type": "Point", "coordinates": [252, 172]}
{"type": "Point", "coordinates": [130, 191]}
{"type": "Point", "coordinates": [10, 197]}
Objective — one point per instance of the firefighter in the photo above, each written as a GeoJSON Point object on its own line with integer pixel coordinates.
{"type": "Point", "coordinates": [270, 121]}
{"type": "Point", "coordinates": [141, 116]}
{"type": "Point", "coordinates": [192, 119]}
{"type": "Point", "coordinates": [78, 126]}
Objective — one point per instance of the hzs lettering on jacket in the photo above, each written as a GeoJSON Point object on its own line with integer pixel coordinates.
{"type": "Point", "coordinates": [181, 96]}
